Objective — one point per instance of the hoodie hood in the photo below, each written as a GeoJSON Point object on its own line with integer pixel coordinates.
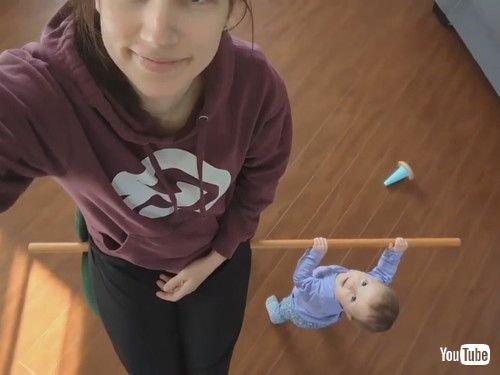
{"type": "Point", "coordinates": [58, 40]}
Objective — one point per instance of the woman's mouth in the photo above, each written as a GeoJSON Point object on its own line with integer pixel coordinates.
{"type": "Point", "coordinates": [159, 65]}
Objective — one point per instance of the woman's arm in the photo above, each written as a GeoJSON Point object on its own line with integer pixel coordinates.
{"type": "Point", "coordinates": [257, 181]}
{"type": "Point", "coordinates": [28, 147]}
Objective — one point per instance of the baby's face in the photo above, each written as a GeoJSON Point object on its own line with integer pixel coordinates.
{"type": "Point", "coordinates": [357, 291]}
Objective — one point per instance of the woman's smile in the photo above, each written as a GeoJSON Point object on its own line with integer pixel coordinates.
{"type": "Point", "coordinates": [159, 65]}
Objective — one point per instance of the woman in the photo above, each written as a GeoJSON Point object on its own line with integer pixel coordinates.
{"type": "Point", "coordinates": [171, 136]}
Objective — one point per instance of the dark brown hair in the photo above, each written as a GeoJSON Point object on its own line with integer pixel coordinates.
{"type": "Point", "coordinates": [92, 51]}
{"type": "Point", "coordinates": [383, 312]}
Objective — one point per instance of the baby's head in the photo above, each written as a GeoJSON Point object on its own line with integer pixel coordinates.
{"type": "Point", "coordinates": [367, 301]}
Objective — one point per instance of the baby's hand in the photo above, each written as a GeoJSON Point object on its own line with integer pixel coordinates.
{"type": "Point", "coordinates": [400, 246]}
{"type": "Point", "coordinates": [320, 245]}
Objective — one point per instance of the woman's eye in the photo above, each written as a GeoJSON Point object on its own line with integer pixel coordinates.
{"type": "Point", "coordinates": [353, 298]}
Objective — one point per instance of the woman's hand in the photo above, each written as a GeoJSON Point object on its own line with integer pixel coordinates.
{"type": "Point", "coordinates": [189, 279]}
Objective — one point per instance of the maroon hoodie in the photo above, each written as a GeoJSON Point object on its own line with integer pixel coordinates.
{"type": "Point", "coordinates": [157, 201]}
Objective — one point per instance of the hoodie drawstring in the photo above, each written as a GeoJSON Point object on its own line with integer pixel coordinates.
{"type": "Point", "coordinates": [157, 168]}
{"type": "Point", "coordinates": [200, 156]}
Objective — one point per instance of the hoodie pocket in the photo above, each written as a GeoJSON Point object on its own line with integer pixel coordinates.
{"type": "Point", "coordinates": [181, 239]}
{"type": "Point", "coordinates": [111, 241]}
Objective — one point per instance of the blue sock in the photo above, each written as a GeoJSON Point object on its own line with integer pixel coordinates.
{"type": "Point", "coordinates": [274, 311]}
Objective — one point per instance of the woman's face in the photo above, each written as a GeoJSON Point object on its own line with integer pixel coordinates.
{"type": "Point", "coordinates": [162, 45]}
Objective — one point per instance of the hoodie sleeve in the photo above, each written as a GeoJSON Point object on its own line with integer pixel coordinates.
{"type": "Point", "coordinates": [256, 184]}
{"type": "Point", "coordinates": [28, 145]}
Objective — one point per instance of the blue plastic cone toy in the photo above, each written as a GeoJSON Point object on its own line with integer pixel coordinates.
{"type": "Point", "coordinates": [403, 171]}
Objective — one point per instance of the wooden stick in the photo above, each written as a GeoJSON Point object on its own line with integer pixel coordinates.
{"type": "Point", "coordinates": [80, 247]}
{"type": "Point", "coordinates": [358, 243]}
{"type": "Point", "coordinates": [58, 247]}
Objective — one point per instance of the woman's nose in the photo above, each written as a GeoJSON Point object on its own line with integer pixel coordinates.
{"type": "Point", "coordinates": [160, 23]}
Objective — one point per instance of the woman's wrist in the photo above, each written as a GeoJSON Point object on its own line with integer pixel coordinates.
{"type": "Point", "coordinates": [212, 261]}
{"type": "Point", "coordinates": [215, 258]}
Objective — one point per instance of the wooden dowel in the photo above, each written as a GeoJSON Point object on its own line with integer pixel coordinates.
{"type": "Point", "coordinates": [358, 243]}
{"type": "Point", "coordinates": [79, 247]}
{"type": "Point", "coordinates": [58, 247]}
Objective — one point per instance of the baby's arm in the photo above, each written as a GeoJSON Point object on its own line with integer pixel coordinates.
{"type": "Point", "coordinates": [309, 261]}
{"type": "Point", "coordinates": [389, 261]}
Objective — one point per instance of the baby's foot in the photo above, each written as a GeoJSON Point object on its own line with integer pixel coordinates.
{"type": "Point", "coordinates": [273, 309]}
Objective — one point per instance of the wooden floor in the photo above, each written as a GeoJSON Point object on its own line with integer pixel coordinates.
{"type": "Point", "coordinates": [371, 83]}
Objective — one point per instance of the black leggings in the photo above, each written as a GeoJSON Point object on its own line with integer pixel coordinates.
{"type": "Point", "coordinates": [194, 336]}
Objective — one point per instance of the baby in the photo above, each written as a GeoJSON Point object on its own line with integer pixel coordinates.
{"type": "Point", "coordinates": [323, 294]}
